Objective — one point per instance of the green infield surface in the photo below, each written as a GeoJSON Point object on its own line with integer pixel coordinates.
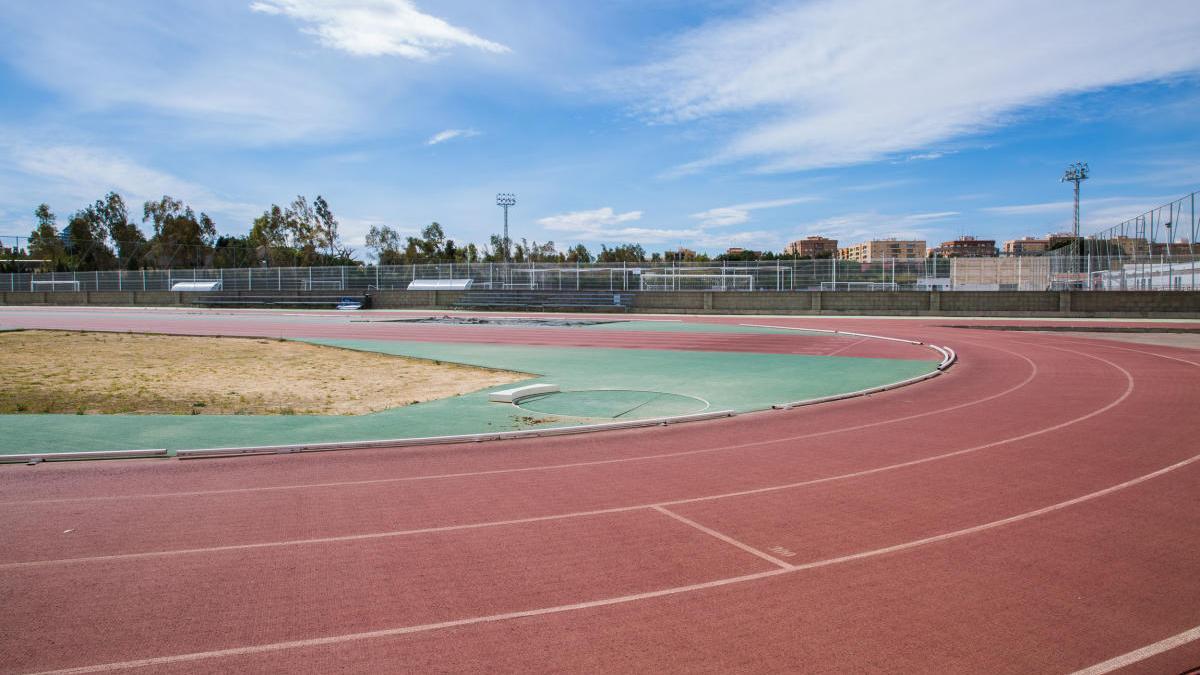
{"type": "Point", "coordinates": [597, 385]}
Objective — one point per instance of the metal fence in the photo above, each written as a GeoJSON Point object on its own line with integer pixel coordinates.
{"type": "Point", "coordinates": [1034, 273]}
{"type": "Point", "coordinates": [1168, 230]}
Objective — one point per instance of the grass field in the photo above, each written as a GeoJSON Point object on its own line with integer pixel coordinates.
{"type": "Point", "coordinates": [107, 373]}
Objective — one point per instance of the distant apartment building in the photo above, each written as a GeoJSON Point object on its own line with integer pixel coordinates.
{"type": "Point", "coordinates": [966, 247]}
{"type": "Point", "coordinates": [1026, 246]}
{"type": "Point", "coordinates": [812, 247]}
{"type": "Point", "coordinates": [883, 249]}
{"type": "Point", "coordinates": [1036, 245]}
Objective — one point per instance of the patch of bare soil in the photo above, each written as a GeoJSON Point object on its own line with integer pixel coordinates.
{"type": "Point", "coordinates": [99, 373]}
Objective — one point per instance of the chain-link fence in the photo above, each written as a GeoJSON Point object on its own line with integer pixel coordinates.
{"type": "Point", "coordinates": [1034, 273]}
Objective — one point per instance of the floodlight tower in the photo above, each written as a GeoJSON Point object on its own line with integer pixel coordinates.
{"type": "Point", "coordinates": [1076, 173]}
{"type": "Point", "coordinates": [505, 200]}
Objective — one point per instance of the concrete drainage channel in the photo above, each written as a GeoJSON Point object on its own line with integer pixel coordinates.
{"type": "Point", "coordinates": [949, 357]}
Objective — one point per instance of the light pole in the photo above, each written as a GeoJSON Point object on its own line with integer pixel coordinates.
{"type": "Point", "coordinates": [505, 200]}
{"type": "Point", "coordinates": [1076, 173]}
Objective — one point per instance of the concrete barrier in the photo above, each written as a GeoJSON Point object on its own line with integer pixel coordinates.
{"type": "Point", "coordinates": [1129, 304]}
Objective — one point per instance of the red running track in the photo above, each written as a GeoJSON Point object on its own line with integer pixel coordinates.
{"type": "Point", "coordinates": [341, 326]}
{"type": "Point", "coordinates": [1033, 510]}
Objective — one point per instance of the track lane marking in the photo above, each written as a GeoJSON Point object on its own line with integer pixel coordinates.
{"type": "Point", "coordinates": [1142, 654]}
{"type": "Point", "coordinates": [725, 538]}
{"type": "Point", "coordinates": [578, 514]}
{"type": "Point", "coordinates": [617, 600]}
{"type": "Point", "coordinates": [1033, 372]}
{"type": "Point", "coordinates": [842, 349]}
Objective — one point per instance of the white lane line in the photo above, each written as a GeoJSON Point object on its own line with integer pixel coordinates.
{"type": "Point", "coordinates": [323, 540]}
{"type": "Point", "coordinates": [852, 344]}
{"type": "Point", "coordinates": [623, 599]}
{"type": "Point", "coordinates": [578, 514]}
{"type": "Point", "coordinates": [1142, 654]}
{"type": "Point", "coordinates": [725, 538]}
{"type": "Point", "coordinates": [1033, 373]}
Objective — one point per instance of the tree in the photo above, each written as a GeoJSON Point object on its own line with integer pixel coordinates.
{"type": "Point", "coordinates": [499, 251]}
{"type": "Point", "coordinates": [126, 236]}
{"type": "Point", "coordinates": [234, 252]}
{"type": "Point", "coordinates": [579, 254]}
{"type": "Point", "coordinates": [622, 253]}
{"type": "Point", "coordinates": [327, 225]}
{"type": "Point", "coordinates": [45, 243]}
{"type": "Point", "coordinates": [304, 229]}
{"type": "Point", "coordinates": [430, 246]}
{"type": "Point", "coordinates": [86, 238]}
{"type": "Point", "coordinates": [180, 237]}
{"type": "Point", "coordinates": [385, 242]}
{"type": "Point", "coordinates": [269, 236]}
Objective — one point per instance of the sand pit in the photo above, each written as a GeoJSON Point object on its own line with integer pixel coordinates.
{"type": "Point", "coordinates": [107, 373]}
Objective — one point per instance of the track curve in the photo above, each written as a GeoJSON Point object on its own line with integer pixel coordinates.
{"type": "Point", "coordinates": [1030, 510]}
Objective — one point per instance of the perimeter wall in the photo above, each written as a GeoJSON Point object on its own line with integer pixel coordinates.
{"type": "Point", "coordinates": [1158, 304]}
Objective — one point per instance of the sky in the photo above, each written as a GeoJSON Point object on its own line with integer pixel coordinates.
{"type": "Point", "coordinates": [662, 122]}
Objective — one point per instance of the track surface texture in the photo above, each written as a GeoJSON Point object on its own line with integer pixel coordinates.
{"type": "Point", "coordinates": [1032, 510]}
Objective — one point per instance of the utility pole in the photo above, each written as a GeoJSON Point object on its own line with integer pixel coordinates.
{"type": "Point", "coordinates": [505, 200]}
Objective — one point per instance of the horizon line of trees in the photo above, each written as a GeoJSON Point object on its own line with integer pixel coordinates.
{"type": "Point", "coordinates": [103, 236]}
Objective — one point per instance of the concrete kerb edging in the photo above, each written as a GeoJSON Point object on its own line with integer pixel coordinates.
{"type": "Point", "coordinates": [441, 440]}
{"type": "Point", "coordinates": [36, 457]}
{"type": "Point", "coordinates": [948, 358]}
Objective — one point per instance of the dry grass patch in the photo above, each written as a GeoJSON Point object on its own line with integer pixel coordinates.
{"type": "Point", "coordinates": [88, 373]}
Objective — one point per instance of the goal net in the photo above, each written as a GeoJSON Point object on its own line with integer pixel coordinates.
{"type": "Point", "coordinates": [659, 281]}
{"type": "Point", "coordinates": [50, 285]}
{"type": "Point", "coordinates": [858, 286]}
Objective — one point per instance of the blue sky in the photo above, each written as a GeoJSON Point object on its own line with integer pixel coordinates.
{"type": "Point", "coordinates": [703, 124]}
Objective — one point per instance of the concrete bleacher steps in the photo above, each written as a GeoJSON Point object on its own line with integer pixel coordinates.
{"type": "Point", "coordinates": [277, 301]}
{"type": "Point", "coordinates": [598, 301]}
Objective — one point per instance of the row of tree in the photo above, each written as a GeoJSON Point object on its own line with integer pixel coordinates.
{"type": "Point", "coordinates": [103, 236]}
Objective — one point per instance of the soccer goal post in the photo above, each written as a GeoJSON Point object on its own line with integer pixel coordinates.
{"type": "Point", "coordinates": [858, 286]}
{"type": "Point", "coordinates": [665, 281]}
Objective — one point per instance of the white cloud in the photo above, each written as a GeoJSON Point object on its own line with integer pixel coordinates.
{"type": "Point", "coordinates": [739, 213]}
{"type": "Point", "coordinates": [377, 27]}
{"type": "Point", "coordinates": [831, 83]}
{"type": "Point", "coordinates": [605, 225]}
{"type": "Point", "coordinates": [443, 136]}
{"type": "Point", "coordinates": [587, 221]}
{"type": "Point", "coordinates": [937, 215]}
{"type": "Point", "coordinates": [82, 174]}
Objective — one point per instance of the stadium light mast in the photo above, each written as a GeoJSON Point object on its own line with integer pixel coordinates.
{"type": "Point", "coordinates": [1076, 173]}
{"type": "Point", "coordinates": [505, 200]}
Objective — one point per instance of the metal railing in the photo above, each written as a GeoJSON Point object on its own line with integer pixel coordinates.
{"type": "Point", "coordinates": [1170, 229]}
{"type": "Point", "coordinates": [1033, 273]}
